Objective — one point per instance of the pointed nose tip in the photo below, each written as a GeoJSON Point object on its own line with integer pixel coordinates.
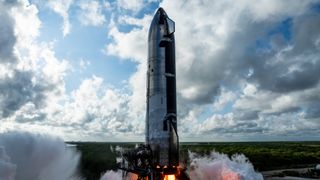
{"type": "Point", "coordinates": [160, 9]}
{"type": "Point", "coordinates": [161, 12]}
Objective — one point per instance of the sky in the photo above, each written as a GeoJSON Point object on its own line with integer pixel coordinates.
{"type": "Point", "coordinates": [246, 70]}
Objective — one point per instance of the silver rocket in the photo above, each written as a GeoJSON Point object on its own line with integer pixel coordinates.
{"type": "Point", "coordinates": [158, 158]}
{"type": "Point", "coordinates": [161, 117]}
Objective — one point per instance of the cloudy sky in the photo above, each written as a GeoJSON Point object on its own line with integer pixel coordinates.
{"type": "Point", "coordinates": [246, 70]}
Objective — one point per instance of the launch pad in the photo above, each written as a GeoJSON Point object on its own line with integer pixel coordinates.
{"type": "Point", "coordinates": [139, 162]}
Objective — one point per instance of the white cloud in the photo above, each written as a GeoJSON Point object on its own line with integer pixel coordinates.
{"type": "Point", "coordinates": [265, 9]}
{"type": "Point", "coordinates": [61, 7]}
{"type": "Point", "coordinates": [123, 42]}
{"type": "Point", "coordinates": [282, 103]}
{"type": "Point", "coordinates": [249, 90]}
{"type": "Point", "coordinates": [123, 48]}
{"type": "Point", "coordinates": [107, 4]}
{"type": "Point", "coordinates": [27, 24]}
{"type": "Point", "coordinates": [224, 98]}
{"type": "Point", "coordinates": [133, 5]}
{"type": "Point", "coordinates": [91, 13]}
{"type": "Point", "coordinates": [98, 109]}
{"type": "Point", "coordinates": [84, 64]}
{"type": "Point", "coordinates": [217, 122]}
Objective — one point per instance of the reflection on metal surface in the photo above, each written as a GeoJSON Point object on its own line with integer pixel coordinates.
{"type": "Point", "coordinates": [158, 159]}
{"type": "Point", "coordinates": [161, 119]}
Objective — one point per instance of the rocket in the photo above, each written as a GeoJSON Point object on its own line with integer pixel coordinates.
{"type": "Point", "coordinates": [161, 116]}
{"type": "Point", "coordinates": [158, 158]}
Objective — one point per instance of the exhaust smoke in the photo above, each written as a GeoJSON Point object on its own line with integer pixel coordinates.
{"type": "Point", "coordinates": [36, 157]}
{"type": "Point", "coordinates": [29, 156]}
{"type": "Point", "coordinates": [217, 166]}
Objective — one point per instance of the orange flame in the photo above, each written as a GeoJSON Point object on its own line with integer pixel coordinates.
{"type": "Point", "coordinates": [231, 176]}
{"type": "Point", "coordinates": [169, 177]}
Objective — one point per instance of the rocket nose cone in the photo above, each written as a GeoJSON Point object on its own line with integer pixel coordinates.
{"type": "Point", "coordinates": [161, 12]}
{"type": "Point", "coordinates": [160, 16]}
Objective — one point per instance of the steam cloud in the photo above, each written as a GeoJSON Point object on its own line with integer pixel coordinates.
{"type": "Point", "coordinates": [114, 175]}
{"type": "Point", "coordinates": [220, 167]}
{"type": "Point", "coordinates": [26, 156]}
{"type": "Point", "coordinates": [117, 175]}
{"type": "Point", "coordinates": [215, 166]}
{"type": "Point", "coordinates": [29, 156]}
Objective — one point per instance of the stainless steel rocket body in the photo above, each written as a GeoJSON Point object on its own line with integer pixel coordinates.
{"type": "Point", "coordinates": [158, 159]}
{"type": "Point", "coordinates": [161, 117]}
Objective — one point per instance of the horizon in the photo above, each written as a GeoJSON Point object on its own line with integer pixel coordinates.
{"type": "Point", "coordinates": [142, 142]}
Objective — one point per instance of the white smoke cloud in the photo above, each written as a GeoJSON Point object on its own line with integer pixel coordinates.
{"type": "Point", "coordinates": [117, 175]}
{"type": "Point", "coordinates": [216, 166]}
{"type": "Point", "coordinates": [220, 167]}
{"type": "Point", "coordinates": [112, 175]}
{"type": "Point", "coordinates": [36, 157]}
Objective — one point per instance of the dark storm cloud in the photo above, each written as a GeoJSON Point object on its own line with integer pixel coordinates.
{"type": "Point", "coordinates": [306, 33]}
{"type": "Point", "coordinates": [280, 57]}
{"type": "Point", "coordinates": [285, 61]}
{"type": "Point", "coordinates": [297, 68]}
{"type": "Point", "coordinates": [307, 77]}
{"type": "Point", "coordinates": [7, 37]}
{"type": "Point", "coordinates": [297, 71]}
{"type": "Point", "coordinates": [17, 90]}
{"type": "Point", "coordinates": [10, 3]}
{"type": "Point", "coordinates": [247, 115]}
{"type": "Point", "coordinates": [239, 127]}
{"type": "Point", "coordinates": [286, 110]}
{"type": "Point", "coordinates": [212, 69]}
{"type": "Point", "coordinates": [313, 111]}
{"type": "Point", "coordinates": [256, 46]}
